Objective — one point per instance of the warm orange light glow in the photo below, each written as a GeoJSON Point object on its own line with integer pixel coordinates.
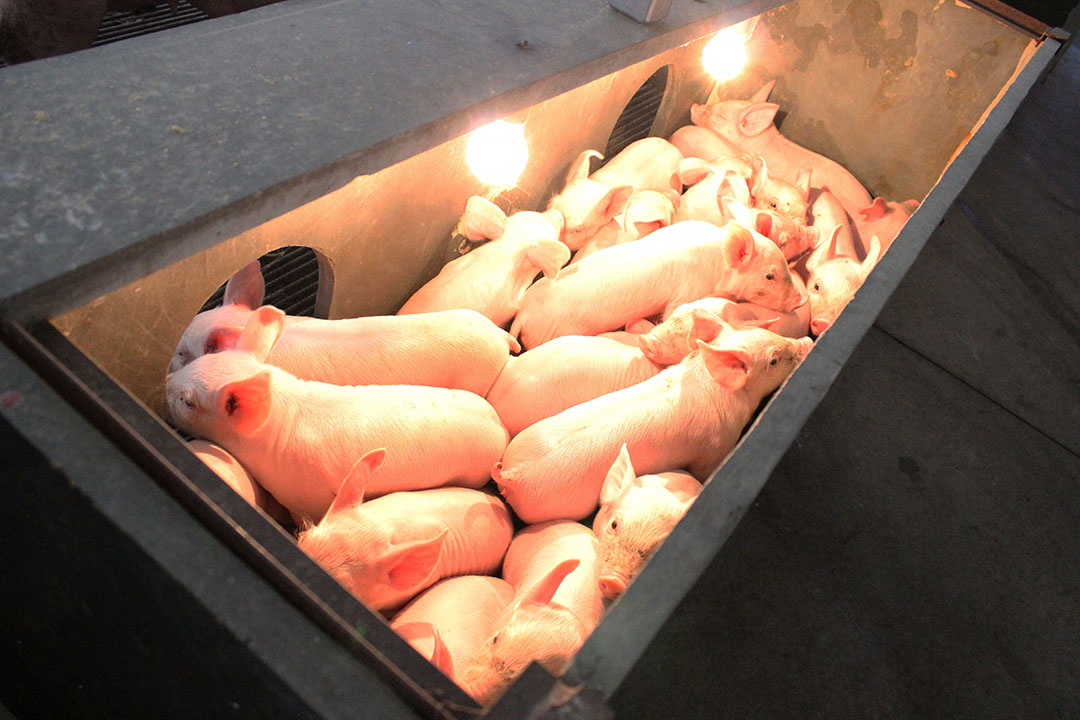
{"type": "Point", "coordinates": [724, 56]}
{"type": "Point", "coordinates": [497, 153]}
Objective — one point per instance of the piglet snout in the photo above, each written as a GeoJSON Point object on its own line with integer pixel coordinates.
{"type": "Point", "coordinates": [612, 586]}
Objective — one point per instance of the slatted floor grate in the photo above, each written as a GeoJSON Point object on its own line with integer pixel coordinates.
{"type": "Point", "coordinates": [118, 26]}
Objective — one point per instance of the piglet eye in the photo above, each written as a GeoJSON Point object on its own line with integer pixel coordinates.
{"type": "Point", "coordinates": [817, 286]}
{"type": "Point", "coordinates": [614, 525]}
{"type": "Point", "coordinates": [189, 403]}
{"type": "Point", "coordinates": [770, 276]}
{"type": "Point", "coordinates": [494, 639]}
{"type": "Point", "coordinates": [772, 362]}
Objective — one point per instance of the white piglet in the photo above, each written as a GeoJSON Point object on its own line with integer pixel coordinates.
{"type": "Point", "coordinates": [385, 551]}
{"type": "Point", "coordinates": [636, 515]}
{"type": "Point", "coordinates": [689, 416]}
{"type": "Point", "coordinates": [299, 438]}
{"type": "Point", "coordinates": [492, 277]}
{"type": "Point", "coordinates": [554, 568]}
{"type": "Point", "coordinates": [455, 348]}
{"type": "Point", "coordinates": [590, 202]}
{"type": "Point", "coordinates": [450, 621]}
{"type": "Point", "coordinates": [654, 275]}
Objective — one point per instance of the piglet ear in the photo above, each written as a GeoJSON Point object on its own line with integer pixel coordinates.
{"type": "Point", "coordinates": [729, 368]}
{"type": "Point", "coordinates": [706, 325]}
{"type": "Point", "coordinates": [543, 590]}
{"type": "Point", "coordinates": [732, 187]}
{"type": "Point", "coordinates": [246, 287]}
{"type": "Point", "coordinates": [756, 119]}
{"type": "Point", "coordinates": [482, 219]}
{"type": "Point", "coordinates": [693, 170]}
{"type": "Point", "coordinates": [426, 639]}
{"type": "Point", "coordinates": [802, 181]}
{"type": "Point", "coordinates": [352, 488]}
{"type": "Point", "coordinates": [221, 339]}
{"type": "Point", "coordinates": [408, 565]}
{"type": "Point", "coordinates": [619, 477]}
{"type": "Point", "coordinates": [614, 201]}
{"type": "Point", "coordinates": [245, 404]}
{"type": "Point", "coordinates": [817, 258]}
{"type": "Point", "coordinates": [579, 169]}
{"type": "Point", "coordinates": [548, 256]}
{"type": "Point", "coordinates": [875, 210]}
{"type": "Point", "coordinates": [262, 332]}
{"type": "Point", "coordinates": [739, 247]}
{"type": "Point", "coordinates": [763, 92]}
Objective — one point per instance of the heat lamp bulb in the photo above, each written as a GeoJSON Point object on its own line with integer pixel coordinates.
{"type": "Point", "coordinates": [497, 152]}
{"type": "Point", "coordinates": [724, 56]}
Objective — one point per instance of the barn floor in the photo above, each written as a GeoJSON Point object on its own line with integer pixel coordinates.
{"type": "Point", "coordinates": [917, 552]}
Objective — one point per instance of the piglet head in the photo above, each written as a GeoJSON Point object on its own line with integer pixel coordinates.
{"type": "Point", "coordinates": [587, 205]}
{"type": "Point", "coordinates": [735, 120]}
{"type": "Point", "coordinates": [218, 329]}
{"type": "Point", "coordinates": [832, 284]}
{"type": "Point", "coordinates": [534, 627]}
{"type": "Point", "coordinates": [635, 516]}
{"type": "Point", "coordinates": [753, 360]}
{"type": "Point", "coordinates": [761, 274]}
{"type": "Point", "coordinates": [786, 199]}
{"type": "Point", "coordinates": [223, 395]}
{"type": "Point", "coordinates": [675, 338]}
{"type": "Point", "coordinates": [351, 545]}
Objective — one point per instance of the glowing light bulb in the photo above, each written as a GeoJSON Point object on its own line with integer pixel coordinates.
{"type": "Point", "coordinates": [724, 56]}
{"type": "Point", "coordinates": [497, 152]}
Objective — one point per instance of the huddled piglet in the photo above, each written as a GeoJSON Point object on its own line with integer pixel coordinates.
{"type": "Point", "coordinates": [748, 126]}
{"type": "Point", "coordinates": [385, 551]}
{"type": "Point", "coordinates": [564, 372]}
{"type": "Point", "coordinates": [646, 211]}
{"type": "Point", "coordinates": [554, 568]}
{"type": "Point", "coordinates": [884, 220]}
{"type": "Point", "coordinates": [834, 281]}
{"type": "Point", "coordinates": [689, 416]}
{"type": "Point", "coordinates": [589, 202]}
{"type": "Point", "coordinates": [491, 278]}
{"type": "Point", "coordinates": [454, 348]}
{"type": "Point", "coordinates": [683, 262]}
{"type": "Point", "coordinates": [636, 515]}
{"type": "Point", "coordinates": [450, 621]}
{"type": "Point", "coordinates": [235, 476]}
{"type": "Point", "coordinates": [676, 337]}
{"type": "Point", "coordinates": [298, 438]}
{"type": "Point", "coordinates": [705, 181]}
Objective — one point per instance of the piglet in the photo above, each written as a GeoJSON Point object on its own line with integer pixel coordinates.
{"type": "Point", "coordinates": [884, 220]}
{"type": "Point", "coordinates": [589, 202]}
{"type": "Point", "coordinates": [828, 216]}
{"type": "Point", "coordinates": [701, 200]}
{"type": "Point", "coordinates": [707, 318]}
{"type": "Point", "coordinates": [636, 515]}
{"type": "Point", "coordinates": [834, 281]}
{"type": "Point", "coordinates": [235, 476]}
{"type": "Point", "coordinates": [676, 264]}
{"type": "Point", "coordinates": [701, 142]}
{"type": "Point", "coordinates": [564, 372]}
{"type": "Point", "coordinates": [646, 212]}
{"type": "Point", "coordinates": [689, 416]}
{"type": "Point", "coordinates": [492, 278]}
{"type": "Point", "coordinates": [554, 568]}
{"type": "Point", "coordinates": [793, 239]}
{"type": "Point", "coordinates": [385, 551]}
{"type": "Point", "coordinates": [454, 348]}
{"type": "Point", "coordinates": [450, 621]}
{"type": "Point", "coordinates": [748, 125]}
{"type": "Point", "coordinates": [298, 438]}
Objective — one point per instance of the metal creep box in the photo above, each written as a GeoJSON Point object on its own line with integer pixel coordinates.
{"type": "Point", "coordinates": [135, 179]}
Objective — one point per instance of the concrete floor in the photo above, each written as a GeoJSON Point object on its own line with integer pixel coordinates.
{"type": "Point", "coordinates": [917, 552]}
